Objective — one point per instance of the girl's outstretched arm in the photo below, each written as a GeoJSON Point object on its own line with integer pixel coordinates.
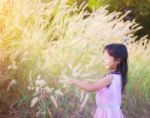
{"type": "Point", "coordinates": [90, 86]}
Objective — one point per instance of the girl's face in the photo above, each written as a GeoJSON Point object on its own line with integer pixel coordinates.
{"type": "Point", "coordinates": [109, 62]}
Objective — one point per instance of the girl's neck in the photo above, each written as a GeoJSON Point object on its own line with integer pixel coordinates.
{"type": "Point", "coordinates": [112, 70]}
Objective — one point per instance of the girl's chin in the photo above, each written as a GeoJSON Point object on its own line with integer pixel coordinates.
{"type": "Point", "coordinates": [107, 67]}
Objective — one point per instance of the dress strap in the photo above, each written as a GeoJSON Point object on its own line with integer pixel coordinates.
{"type": "Point", "coordinates": [115, 72]}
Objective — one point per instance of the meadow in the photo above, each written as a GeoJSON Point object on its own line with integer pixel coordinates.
{"type": "Point", "coordinates": [44, 43]}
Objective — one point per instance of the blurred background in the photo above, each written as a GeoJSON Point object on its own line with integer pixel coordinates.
{"type": "Point", "coordinates": [139, 10]}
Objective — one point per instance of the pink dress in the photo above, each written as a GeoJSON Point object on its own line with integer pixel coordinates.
{"type": "Point", "coordinates": [108, 99]}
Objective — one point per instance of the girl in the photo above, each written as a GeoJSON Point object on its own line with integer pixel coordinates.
{"type": "Point", "coordinates": [110, 87]}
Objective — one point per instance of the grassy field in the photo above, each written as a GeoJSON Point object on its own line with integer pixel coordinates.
{"type": "Point", "coordinates": [43, 43]}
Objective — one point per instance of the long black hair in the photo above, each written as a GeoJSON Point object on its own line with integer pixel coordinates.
{"type": "Point", "coordinates": [119, 51]}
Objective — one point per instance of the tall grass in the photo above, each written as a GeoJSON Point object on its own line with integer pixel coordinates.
{"type": "Point", "coordinates": [43, 42]}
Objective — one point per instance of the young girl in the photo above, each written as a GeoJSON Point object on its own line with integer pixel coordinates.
{"type": "Point", "coordinates": [110, 87]}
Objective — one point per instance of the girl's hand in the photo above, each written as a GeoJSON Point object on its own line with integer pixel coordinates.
{"type": "Point", "coordinates": [70, 81]}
